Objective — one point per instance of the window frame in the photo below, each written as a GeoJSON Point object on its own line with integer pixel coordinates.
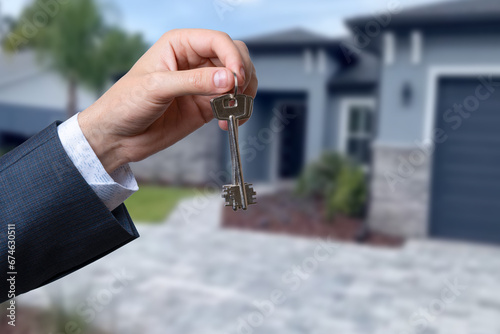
{"type": "Point", "coordinates": [346, 107]}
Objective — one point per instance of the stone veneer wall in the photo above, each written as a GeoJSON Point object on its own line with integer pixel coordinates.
{"type": "Point", "coordinates": [188, 162]}
{"type": "Point", "coordinates": [400, 190]}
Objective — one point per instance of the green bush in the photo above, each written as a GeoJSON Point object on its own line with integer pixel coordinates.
{"type": "Point", "coordinates": [337, 181]}
{"type": "Point", "coordinates": [349, 197]}
{"type": "Point", "coordinates": [319, 178]}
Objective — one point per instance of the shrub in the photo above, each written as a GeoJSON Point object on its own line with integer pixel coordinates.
{"type": "Point", "coordinates": [337, 181]}
{"type": "Point", "coordinates": [349, 197]}
{"type": "Point", "coordinates": [318, 179]}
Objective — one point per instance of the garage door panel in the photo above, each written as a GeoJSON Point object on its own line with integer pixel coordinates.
{"type": "Point", "coordinates": [486, 127]}
{"type": "Point", "coordinates": [484, 139]}
{"type": "Point", "coordinates": [468, 213]}
{"type": "Point", "coordinates": [468, 234]}
{"type": "Point", "coordinates": [468, 131]}
{"type": "Point", "coordinates": [468, 189]}
{"type": "Point", "coordinates": [475, 226]}
{"type": "Point", "coordinates": [471, 207]}
{"type": "Point", "coordinates": [473, 162]}
{"type": "Point", "coordinates": [477, 159]}
{"type": "Point", "coordinates": [472, 144]}
{"type": "Point", "coordinates": [459, 170]}
{"type": "Point", "coordinates": [466, 168]}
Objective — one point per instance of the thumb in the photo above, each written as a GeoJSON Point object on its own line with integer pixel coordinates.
{"type": "Point", "coordinates": [201, 81]}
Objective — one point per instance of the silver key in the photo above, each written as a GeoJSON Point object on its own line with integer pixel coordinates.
{"type": "Point", "coordinates": [232, 108]}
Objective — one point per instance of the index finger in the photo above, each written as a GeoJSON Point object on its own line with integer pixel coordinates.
{"type": "Point", "coordinates": [212, 43]}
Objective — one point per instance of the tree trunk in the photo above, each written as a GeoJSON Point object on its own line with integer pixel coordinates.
{"type": "Point", "coordinates": [71, 108]}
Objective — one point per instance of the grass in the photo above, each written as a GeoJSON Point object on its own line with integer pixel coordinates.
{"type": "Point", "coordinates": [3, 151]}
{"type": "Point", "coordinates": [152, 204]}
{"type": "Point", "coordinates": [6, 149]}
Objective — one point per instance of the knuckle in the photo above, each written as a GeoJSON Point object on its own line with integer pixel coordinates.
{"type": "Point", "coordinates": [171, 34]}
{"type": "Point", "coordinates": [241, 45]}
{"type": "Point", "coordinates": [166, 35]}
{"type": "Point", "coordinates": [151, 82]}
{"type": "Point", "coordinates": [225, 35]}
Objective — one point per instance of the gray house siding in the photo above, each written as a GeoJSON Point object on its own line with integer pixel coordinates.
{"type": "Point", "coordinates": [288, 72]}
{"type": "Point", "coordinates": [402, 207]}
{"type": "Point", "coordinates": [288, 77]}
{"type": "Point", "coordinates": [465, 49]}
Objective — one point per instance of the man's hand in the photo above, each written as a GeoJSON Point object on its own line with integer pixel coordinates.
{"type": "Point", "coordinates": [166, 95]}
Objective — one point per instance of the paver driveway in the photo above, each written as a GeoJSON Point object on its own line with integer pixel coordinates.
{"type": "Point", "coordinates": [194, 277]}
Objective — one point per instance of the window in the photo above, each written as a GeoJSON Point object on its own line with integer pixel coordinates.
{"type": "Point", "coordinates": [357, 129]}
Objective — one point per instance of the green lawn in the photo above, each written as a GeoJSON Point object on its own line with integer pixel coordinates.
{"type": "Point", "coordinates": [152, 204]}
{"type": "Point", "coordinates": [3, 151]}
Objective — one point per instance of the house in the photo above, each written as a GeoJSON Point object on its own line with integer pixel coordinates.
{"type": "Point", "coordinates": [31, 97]}
{"type": "Point", "coordinates": [436, 156]}
{"type": "Point", "coordinates": [309, 94]}
{"type": "Point", "coordinates": [413, 95]}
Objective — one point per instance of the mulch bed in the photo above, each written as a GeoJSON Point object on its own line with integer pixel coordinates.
{"type": "Point", "coordinates": [288, 214]}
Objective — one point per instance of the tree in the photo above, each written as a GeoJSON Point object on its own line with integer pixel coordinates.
{"type": "Point", "coordinates": [76, 42]}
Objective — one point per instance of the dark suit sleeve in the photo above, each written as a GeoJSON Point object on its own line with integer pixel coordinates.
{"type": "Point", "coordinates": [60, 223]}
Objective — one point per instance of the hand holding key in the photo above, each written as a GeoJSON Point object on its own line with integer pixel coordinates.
{"type": "Point", "coordinates": [166, 95]}
{"type": "Point", "coordinates": [232, 108]}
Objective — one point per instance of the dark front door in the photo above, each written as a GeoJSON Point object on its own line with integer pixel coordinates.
{"type": "Point", "coordinates": [466, 177]}
{"type": "Point", "coordinates": [292, 141]}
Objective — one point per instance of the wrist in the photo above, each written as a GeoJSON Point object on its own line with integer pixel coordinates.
{"type": "Point", "coordinates": [105, 146]}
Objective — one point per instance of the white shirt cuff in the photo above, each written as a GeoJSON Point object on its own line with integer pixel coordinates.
{"type": "Point", "coordinates": [113, 189]}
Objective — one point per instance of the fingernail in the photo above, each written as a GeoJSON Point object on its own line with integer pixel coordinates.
{"type": "Point", "coordinates": [242, 72]}
{"type": "Point", "coordinates": [220, 79]}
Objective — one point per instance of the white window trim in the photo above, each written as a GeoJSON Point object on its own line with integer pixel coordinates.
{"type": "Point", "coordinates": [437, 72]}
{"type": "Point", "coordinates": [389, 48]}
{"type": "Point", "coordinates": [416, 47]}
{"type": "Point", "coordinates": [345, 106]}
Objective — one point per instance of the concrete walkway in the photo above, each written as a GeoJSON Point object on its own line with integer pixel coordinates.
{"type": "Point", "coordinates": [190, 276]}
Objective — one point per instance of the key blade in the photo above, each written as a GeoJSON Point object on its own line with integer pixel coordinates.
{"type": "Point", "coordinates": [231, 195]}
{"type": "Point", "coordinates": [251, 194]}
{"type": "Point", "coordinates": [236, 161]}
{"type": "Point", "coordinates": [222, 106]}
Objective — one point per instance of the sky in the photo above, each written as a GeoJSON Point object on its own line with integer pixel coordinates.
{"type": "Point", "coordinates": [239, 18]}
